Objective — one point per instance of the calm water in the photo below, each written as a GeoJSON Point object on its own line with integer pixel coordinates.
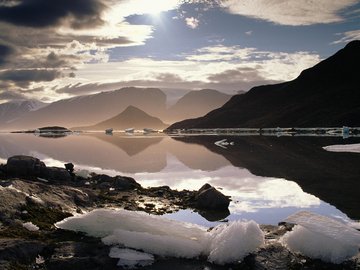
{"type": "Point", "coordinates": [268, 178]}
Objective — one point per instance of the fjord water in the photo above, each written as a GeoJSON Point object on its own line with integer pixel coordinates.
{"type": "Point", "coordinates": [268, 178]}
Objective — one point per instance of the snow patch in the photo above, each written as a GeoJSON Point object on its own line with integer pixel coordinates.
{"type": "Point", "coordinates": [30, 226]}
{"type": "Point", "coordinates": [226, 243]}
{"type": "Point", "coordinates": [131, 259]}
{"type": "Point", "coordinates": [353, 148]}
{"type": "Point", "coordinates": [321, 237]}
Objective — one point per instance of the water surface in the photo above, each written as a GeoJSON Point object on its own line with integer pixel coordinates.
{"type": "Point", "coordinates": [268, 178]}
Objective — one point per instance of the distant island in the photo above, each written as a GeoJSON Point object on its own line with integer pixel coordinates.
{"type": "Point", "coordinates": [56, 130]}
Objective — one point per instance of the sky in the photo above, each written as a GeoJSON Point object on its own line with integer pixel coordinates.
{"type": "Point", "coordinates": [50, 50]}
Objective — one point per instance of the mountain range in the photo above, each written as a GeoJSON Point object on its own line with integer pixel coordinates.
{"type": "Point", "coordinates": [325, 95]}
{"type": "Point", "coordinates": [10, 111]}
{"type": "Point", "coordinates": [90, 110]}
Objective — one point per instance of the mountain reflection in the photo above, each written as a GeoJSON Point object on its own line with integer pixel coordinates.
{"type": "Point", "coordinates": [332, 177]}
{"type": "Point", "coordinates": [258, 172]}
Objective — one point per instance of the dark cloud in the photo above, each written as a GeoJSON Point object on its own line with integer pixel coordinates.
{"type": "Point", "coordinates": [22, 78]}
{"type": "Point", "coordinates": [44, 13]}
{"type": "Point", "coordinates": [5, 52]}
{"type": "Point", "coordinates": [11, 95]}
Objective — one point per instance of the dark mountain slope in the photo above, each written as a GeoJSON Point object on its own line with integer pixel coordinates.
{"type": "Point", "coordinates": [327, 94]}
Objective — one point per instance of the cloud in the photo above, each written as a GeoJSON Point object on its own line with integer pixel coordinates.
{"type": "Point", "coordinates": [5, 52]}
{"type": "Point", "coordinates": [23, 77]}
{"type": "Point", "coordinates": [192, 22]}
{"type": "Point", "coordinates": [348, 36]}
{"type": "Point", "coordinates": [289, 12]}
{"type": "Point", "coordinates": [44, 13]}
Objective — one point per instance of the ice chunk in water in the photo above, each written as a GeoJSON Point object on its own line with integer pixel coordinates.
{"type": "Point", "coordinates": [321, 237]}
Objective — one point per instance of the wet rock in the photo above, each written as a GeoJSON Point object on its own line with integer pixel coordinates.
{"type": "Point", "coordinates": [104, 186]}
{"type": "Point", "coordinates": [209, 197]}
{"type": "Point", "coordinates": [125, 183]}
{"type": "Point", "coordinates": [19, 250]}
{"type": "Point", "coordinates": [78, 255]}
{"type": "Point", "coordinates": [56, 174]}
{"type": "Point", "coordinates": [24, 166]}
{"type": "Point", "coordinates": [69, 167]}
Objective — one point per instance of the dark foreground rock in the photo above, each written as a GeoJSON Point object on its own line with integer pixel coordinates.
{"type": "Point", "coordinates": [210, 198]}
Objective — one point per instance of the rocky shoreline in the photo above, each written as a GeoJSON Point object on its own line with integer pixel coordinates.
{"type": "Point", "coordinates": [35, 194]}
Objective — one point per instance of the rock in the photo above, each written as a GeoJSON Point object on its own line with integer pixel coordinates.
{"type": "Point", "coordinates": [69, 167]}
{"type": "Point", "coordinates": [125, 183]}
{"type": "Point", "coordinates": [56, 174]}
{"type": "Point", "coordinates": [101, 178]}
{"type": "Point", "coordinates": [209, 197]}
{"type": "Point", "coordinates": [24, 166]}
{"type": "Point", "coordinates": [19, 250]}
{"type": "Point", "coordinates": [76, 255]}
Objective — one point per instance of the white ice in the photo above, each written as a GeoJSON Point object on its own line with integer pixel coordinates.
{"type": "Point", "coordinates": [354, 148]}
{"type": "Point", "coordinates": [129, 258]}
{"type": "Point", "coordinates": [226, 243]}
{"type": "Point", "coordinates": [321, 237]}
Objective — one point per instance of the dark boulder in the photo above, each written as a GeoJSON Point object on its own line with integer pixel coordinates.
{"type": "Point", "coordinates": [125, 183]}
{"type": "Point", "coordinates": [117, 182]}
{"type": "Point", "coordinates": [69, 167]}
{"type": "Point", "coordinates": [24, 166]}
{"type": "Point", "coordinates": [56, 174]}
{"type": "Point", "coordinates": [209, 197]}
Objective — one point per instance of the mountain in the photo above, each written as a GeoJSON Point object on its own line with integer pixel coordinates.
{"type": "Point", "coordinates": [10, 111]}
{"type": "Point", "coordinates": [195, 104]}
{"type": "Point", "coordinates": [91, 109]}
{"type": "Point", "coordinates": [325, 95]}
{"type": "Point", "coordinates": [131, 117]}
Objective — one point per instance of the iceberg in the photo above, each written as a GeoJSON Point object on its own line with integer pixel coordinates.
{"type": "Point", "coordinates": [226, 243]}
{"type": "Point", "coordinates": [321, 237]}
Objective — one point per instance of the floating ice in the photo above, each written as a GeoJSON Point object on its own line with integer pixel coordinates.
{"type": "Point", "coordinates": [129, 258]}
{"type": "Point", "coordinates": [321, 237]}
{"type": "Point", "coordinates": [30, 226]}
{"type": "Point", "coordinates": [354, 148]}
{"type": "Point", "coordinates": [226, 243]}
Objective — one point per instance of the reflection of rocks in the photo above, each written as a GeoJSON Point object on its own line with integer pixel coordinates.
{"type": "Point", "coordinates": [213, 215]}
{"type": "Point", "coordinates": [209, 197]}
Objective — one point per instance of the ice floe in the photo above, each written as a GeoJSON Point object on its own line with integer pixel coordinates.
{"type": "Point", "coordinates": [321, 237]}
{"type": "Point", "coordinates": [225, 243]}
{"type": "Point", "coordinates": [353, 148]}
